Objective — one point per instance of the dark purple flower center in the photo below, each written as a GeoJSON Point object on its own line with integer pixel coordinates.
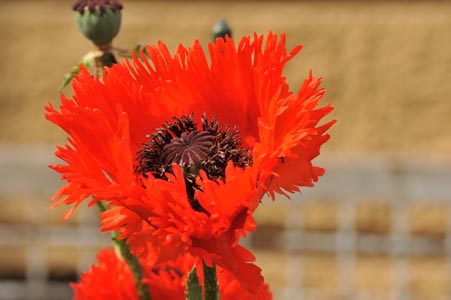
{"type": "Point", "coordinates": [181, 142]}
{"type": "Point", "coordinates": [92, 5]}
{"type": "Point", "coordinates": [191, 148]}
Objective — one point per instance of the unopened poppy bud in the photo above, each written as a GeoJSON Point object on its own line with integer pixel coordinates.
{"type": "Point", "coordinates": [98, 20]}
{"type": "Point", "coordinates": [221, 29]}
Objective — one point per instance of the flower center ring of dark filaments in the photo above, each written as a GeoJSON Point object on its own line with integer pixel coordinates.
{"type": "Point", "coordinates": [82, 5]}
{"type": "Point", "coordinates": [181, 142]}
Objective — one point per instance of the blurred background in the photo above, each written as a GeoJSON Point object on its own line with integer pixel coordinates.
{"type": "Point", "coordinates": [376, 226]}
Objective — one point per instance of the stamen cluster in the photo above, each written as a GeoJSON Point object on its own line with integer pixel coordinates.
{"type": "Point", "coordinates": [180, 142]}
{"type": "Point", "coordinates": [92, 5]}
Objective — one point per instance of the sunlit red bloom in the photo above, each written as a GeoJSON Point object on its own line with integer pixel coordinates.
{"type": "Point", "coordinates": [174, 184]}
{"type": "Point", "coordinates": [232, 289]}
{"type": "Point", "coordinates": [111, 279]}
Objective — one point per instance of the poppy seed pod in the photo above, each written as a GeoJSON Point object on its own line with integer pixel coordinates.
{"type": "Point", "coordinates": [98, 20]}
{"type": "Point", "coordinates": [221, 29]}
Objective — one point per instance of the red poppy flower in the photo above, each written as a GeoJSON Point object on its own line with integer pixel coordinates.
{"type": "Point", "coordinates": [184, 149]}
{"type": "Point", "coordinates": [111, 279]}
{"type": "Point", "coordinates": [231, 289]}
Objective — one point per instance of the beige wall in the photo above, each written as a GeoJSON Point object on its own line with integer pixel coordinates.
{"type": "Point", "coordinates": [387, 69]}
{"type": "Point", "coordinates": [387, 65]}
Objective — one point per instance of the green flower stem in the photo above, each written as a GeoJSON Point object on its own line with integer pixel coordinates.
{"type": "Point", "coordinates": [132, 261]}
{"type": "Point", "coordinates": [211, 289]}
{"type": "Point", "coordinates": [134, 265]}
{"type": "Point", "coordinates": [194, 289]}
{"type": "Point", "coordinates": [101, 206]}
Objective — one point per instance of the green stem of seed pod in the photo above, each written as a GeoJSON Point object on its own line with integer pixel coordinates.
{"type": "Point", "coordinates": [107, 59]}
{"type": "Point", "coordinates": [102, 207]}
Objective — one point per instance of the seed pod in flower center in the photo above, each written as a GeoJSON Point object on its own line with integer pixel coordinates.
{"type": "Point", "coordinates": [98, 20]}
{"type": "Point", "coordinates": [190, 149]}
{"type": "Point", "coordinates": [182, 143]}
